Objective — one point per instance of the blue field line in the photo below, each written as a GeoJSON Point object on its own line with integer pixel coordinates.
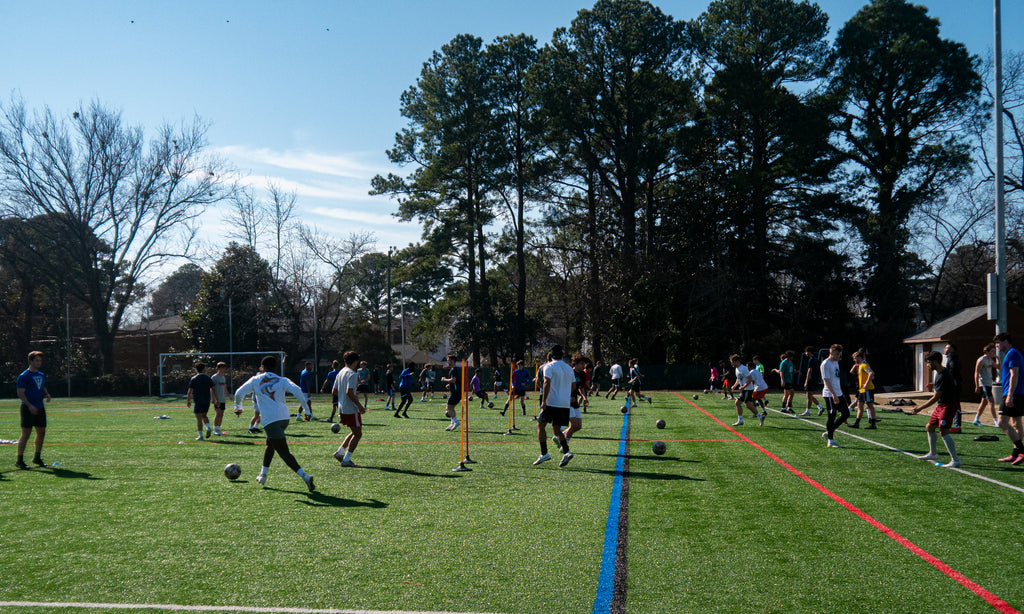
{"type": "Point", "coordinates": [606, 579]}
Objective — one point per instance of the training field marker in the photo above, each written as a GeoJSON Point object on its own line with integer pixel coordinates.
{"type": "Point", "coordinates": [201, 608]}
{"type": "Point", "coordinates": [910, 454]}
{"type": "Point", "coordinates": [991, 598]}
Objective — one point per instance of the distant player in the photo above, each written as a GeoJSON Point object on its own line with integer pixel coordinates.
{"type": "Point", "coordinates": [616, 374]}
{"type": "Point", "coordinates": [946, 394]}
{"type": "Point", "coordinates": [306, 385]}
{"type": "Point", "coordinates": [865, 389]}
{"type": "Point", "coordinates": [983, 367]}
{"type": "Point", "coordinates": [1010, 414]}
{"type": "Point", "coordinates": [220, 397]}
{"type": "Point", "coordinates": [389, 388]}
{"type": "Point", "coordinates": [832, 392]}
{"type": "Point", "coordinates": [713, 378]}
{"type": "Point", "coordinates": [329, 385]}
{"type": "Point", "coordinates": [350, 410]}
{"type": "Point", "coordinates": [454, 383]}
{"type": "Point", "coordinates": [425, 382]}
{"type": "Point", "coordinates": [363, 382]}
{"type": "Point", "coordinates": [200, 389]}
{"type": "Point", "coordinates": [31, 390]}
{"type": "Point", "coordinates": [785, 373]}
{"type": "Point", "coordinates": [558, 390]}
{"type": "Point", "coordinates": [760, 390]}
{"type": "Point", "coordinates": [269, 390]}
{"type": "Point", "coordinates": [520, 378]}
{"type": "Point", "coordinates": [595, 381]}
{"type": "Point", "coordinates": [499, 382]}
{"type": "Point", "coordinates": [744, 382]}
{"type": "Point", "coordinates": [475, 386]}
{"type": "Point", "coordinates": [635, 394]}
{"type": "Point", "coordinates": [405, 382]}
{"type": "Point", "coordinates": [812, 378]}
{"type": "Point", "coordinates": [579, 399]}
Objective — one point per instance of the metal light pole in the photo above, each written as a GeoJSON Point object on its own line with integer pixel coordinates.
{"type": "Point", "coordinates": [67, 326]}
{"type": "Point", "coordinates": [1000, 293]}
{"type": "Point", "coordinates": [401, 299]}
{"type": "Point", "coordinates": [149, 356]}
{"type": "Point", "coordinates": [316, 358]}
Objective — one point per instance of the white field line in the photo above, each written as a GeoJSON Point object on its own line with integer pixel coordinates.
{"type": "Point", "coordinates": [200, 608]}
{"type": "Point", "coordinates": [911, 455]}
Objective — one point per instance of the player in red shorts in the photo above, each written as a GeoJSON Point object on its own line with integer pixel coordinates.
{"type": "Point", "coordinates": [350, 410]}
{"type": "Point", "coordinates": [945, 394]}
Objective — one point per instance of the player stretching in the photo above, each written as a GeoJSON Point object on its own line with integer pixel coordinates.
{"type": "Point", "coordinates": [559, 389]}
{"type": "Point", "coordinates": [350, 410]}
{"type": "Point", "coordinates": [269, 389]}
{"type": "Point", "coordinates": [832, 391]}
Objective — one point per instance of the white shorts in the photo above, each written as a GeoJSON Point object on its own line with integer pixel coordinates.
{"type": "Point", "coordinates": [574, 412]}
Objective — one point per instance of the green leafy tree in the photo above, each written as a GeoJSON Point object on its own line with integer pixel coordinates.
{"type": "Point", "coordinates": [177, 291]}
{"type": "Point", "coordinates": [904, 87]}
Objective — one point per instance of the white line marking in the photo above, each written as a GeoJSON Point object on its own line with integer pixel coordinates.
{"type": "Point", "coordinates": [200, 608]}
{"type": "Point", "coordinates": [911, 455]}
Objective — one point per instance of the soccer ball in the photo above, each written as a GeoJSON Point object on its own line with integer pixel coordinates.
{"type": "Point", "coordinates": [658, 447]}
{"type": "Point", "coordinates": [623, 409]}
{"type": "Point", "coordinates": [660, 424]}
{"type": "Point", "coordinates": [694, 397]}
{"type": "Point", "coordinates": [705, 391]}
{"type": "Point", "coordinates": [232, 471]}
{"type": "Point", "coordinates": [335, 428]}
{"type": "Point", "coordinates": [490, 405]}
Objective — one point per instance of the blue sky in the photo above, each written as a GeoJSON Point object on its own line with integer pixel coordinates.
{"type": "Point", "coordinates": [303, 93]}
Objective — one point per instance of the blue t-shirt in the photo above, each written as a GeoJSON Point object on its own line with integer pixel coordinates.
{"type": "Point", "coordinates": [331, 376]}
{"type": "Point", "coordinates": [304, 378]}
{"type": "Point", "coordinates": [786, 368]}
{"type": "Point", "coordinates": [519, 379]}
{"type": "Point", "coordinates": [1012, 359]}
{"type": "Point", "coordinates": [405, 380]}
{"type": "Point", "coordinates": [34, 383]}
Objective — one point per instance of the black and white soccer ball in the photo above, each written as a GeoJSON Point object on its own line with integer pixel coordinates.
{"type": "Point", "coordinates": [660, 424]}
{"type": "Point", "coordinates": [658, 447]}
{"type": "Point", "coordinates": [623, 409]}
{"type": "Point", "coordinates": [335, 428]}
{"type": "Point", "coordinates": [232, 471]}
{"type": "Point", "coordinates": [490, 405]}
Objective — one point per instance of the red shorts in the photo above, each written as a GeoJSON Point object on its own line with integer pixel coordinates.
{"type": "Point", "coordinates": [759, 394]}
{"type": "Point", "coordinates": [942, 416]}
{"type": "Point", "coordinates": [352, 420]}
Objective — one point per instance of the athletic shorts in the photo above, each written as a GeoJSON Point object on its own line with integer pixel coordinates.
{"type": "Point", "coordinates": [30, 420]}
{"type": "Point", "coordinates": [391, 393]}
{"type": "Point", "coordinates": [868, 396]}
{"type": "Point", "coordinates": [334, 399]}
{"type": "Point", "coordinates": [406, 394]}
{"type": "Point", "coordinates": [635, 387]}
{"type": "Point", "coordinates": [480, 394]}
{"type": "Point", "coordinates": [363, 388]}
{"type": "Point", "coordinates": [836, 404]}
{"type": "Point", "coordinates": [554, 415]}
{"type": "Point", "coordinates": [744, 395]}
{"type": "Point", "coordinates": [200, 408]}
{"type": "Point", "coordinates": [275, 430]}
{"type": "Point", "coordinates": [351, 420]}
{"type": "Point", "coordinates": [517, 393]}
{"type": "Point", "coordinates": [787, 386]}
{"type": "Point", "coordinates": [615, 382]}
{"type": "Point", "coordinates": [499, 384]}
{"type": "Point", "coordinates": [218, 406]}
{"type": "Point", "coordinates": [575, 412]}
{"type": "Point", "coordinates": [985, 392]}
{"type": "Point", "coordinates": [759, 394]}
{"type": "Point", "coordinates": [944, 415]}
{"type": "Point", "coordinates": [1017, 410]}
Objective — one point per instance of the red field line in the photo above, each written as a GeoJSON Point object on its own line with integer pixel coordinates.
{"type": "Point", "coordinates": [992, 599]}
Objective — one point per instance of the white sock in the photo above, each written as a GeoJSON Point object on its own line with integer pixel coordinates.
{"type": "Point", "coordinates": [933, 438]}
{"type": "Point", "coordinates": [950, 447]}
{"type": "Point", "coordinates": [348, 455]}
{"type": "Point", "coordinates": [341, 450]}
{"type": "Point", "coordinates": [264, 470]}
{"type": "Point", "coordinates": [302, 473]}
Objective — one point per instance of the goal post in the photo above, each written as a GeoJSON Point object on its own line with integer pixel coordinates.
{"type": "Point", "coordinates": [177, 368]}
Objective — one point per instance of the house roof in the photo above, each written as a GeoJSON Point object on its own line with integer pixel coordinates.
{"type": "Point", "coordinates": [939, 330]}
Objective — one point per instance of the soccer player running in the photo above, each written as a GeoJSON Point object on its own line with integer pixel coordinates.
{"type": "Point", "coordinates": [945, 392]}
{"type": "Point", "coordinates": [329, 384]}
{"type": "Point", "coordinates": [595, 381]}
{"type": "Point", "coordinates": [454, 383]}
{"type": "Point", "coordinates": [268, 390]}
{"type": "Point", "coordinates": [579, 398]}
{"type": "Point", "coordinates": [478, 391]}
{"type": "Point", "coordinates": [200, 389]}
{"type": "Point", "coordinates": [760, 390]}
{"type": "Point", "coordinates": [785, 373]}
{"type": "Point", "coordinates": [425, 382]}
{"type": "Point", "coordinates": [635, 395]}
{"type": "Point", "coordinates": [350, 410]}
{"type": "Point", "coordinates": [983, 383]}
{"type": "Point", "coordinates": [220, 396]}
{"type": "Point", "coordinates": [31, 389]}
{"type": "Point", "coordinates": [558, 390]}
{"type": "Point", "coordinates": [616, 374]}
{"type": "Point", "coordinates": [405, 381]}
{"type": "Point", "coordinates": [745, 384]}
{"type": "Point", "coordinates": [812, 378]}
{"type": "Point", "coordinates": [865, 388]}
{"type": "Point", "coordinates": [832, 391]}
{"type": "Point", "coordinates": [306, 385]}
{"type": "Point", "coordinates": [1013, 397]}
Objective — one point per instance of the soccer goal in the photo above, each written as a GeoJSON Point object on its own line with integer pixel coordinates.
{"type": "Point", "coordinates": [177, 368]}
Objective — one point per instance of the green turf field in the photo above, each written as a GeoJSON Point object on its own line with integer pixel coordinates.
{"type": "Point", "coordinates": [136, 512]}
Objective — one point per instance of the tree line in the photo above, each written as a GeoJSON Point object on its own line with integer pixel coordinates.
{"type": "Point", "coordinates": [638, 186]}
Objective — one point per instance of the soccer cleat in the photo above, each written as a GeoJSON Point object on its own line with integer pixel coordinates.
{"type": "Point", "coordinates": [565, 459]}
{"type": "Point", "coordinates": [253, 430]}
{"type": "Point", "coordinates": [398, 415]}
{"type": "Point", "coordinates": [1009, 459]}
{"type": "Point", "coordinates": [831, 444]}
{"type": "Point", "coordinates": [807, 412]}
{"type": "Point", "coordinates": [20, 464]}
{"type": "Point", "coordinates": [955, 430]}
{"type": "Point", "coordinates": [761, 416]}
{"type": "Point", "coordinates": [309, 483]}
{"type": "Point", "coordinates": [200, 438]}
{"type": "Point", "coordinates": [950, 465]}
{"type": "Point", "coordinates": [405, 414]}
{"type": "Point", "coordinates": [208, 432]}
{"type": "Point", "coordinates": [929, 457]}
{"type": "Point", "coordinates": [261, 479]}
{"type": "Point", "coordinates": [542, 458]}
{"type": "Point", "coordinates": [348, 463]}
{"type": "Point", "coordinates": [38, 462]}
{"type": "Point", "coordinates": [976, 422]}
{"type": "Point", "coordinates": [855, 425]}
{"type": "Point", "coordinates": [821, 410]}
{"type": "Point", "coordinates": [871, 426]}
{"type": "Point", "coordinates": [738, 422]}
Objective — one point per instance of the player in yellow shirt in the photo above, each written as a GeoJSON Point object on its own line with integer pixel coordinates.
{"type": "Point", "coordinates": [865, 388]}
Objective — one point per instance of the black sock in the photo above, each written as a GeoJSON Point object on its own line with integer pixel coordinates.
{"type": "Point", "coordinates": [21, 458]}
{"type": "Point", "coordinates": [1018, 447]}
{"type": "Point", "coordinates": [543, 448]}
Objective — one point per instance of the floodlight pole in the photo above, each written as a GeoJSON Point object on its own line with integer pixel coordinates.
{"type": "Point", "coordinates": [316, 358]}
{"type": "Point", "coordinates": [67, 325]}
{"type": "Point", "coordinates": [1000, 290]}
{"type": "Point", "coordinates": [149, 356]}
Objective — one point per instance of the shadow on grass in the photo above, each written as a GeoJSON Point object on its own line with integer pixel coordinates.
{"type": "Point", "coordinates": [67, 473]}
{"type": "Point", "coordinates": [248, 441]}
{"type": "Point", "coordinates": [643, 475]}
{"type": "Point", "coordinates": [319, 499]}
{"type": "Point", "coordinates": [411, 472]}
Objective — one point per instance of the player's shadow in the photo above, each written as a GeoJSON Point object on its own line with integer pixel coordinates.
{"type": "Point", "coordinates": [411, 472]}
{"type": "Point", "coordinates": [67, 473]}
{"type": "Point", "coordinates": [228, 442]}
{"type": "Point", "coordinates": [319, 499]}
{"type": "Point", "coordinates": [645, 475]}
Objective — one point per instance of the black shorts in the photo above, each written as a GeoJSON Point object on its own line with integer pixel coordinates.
{"type": "Point", "coordinates": [554, 415]}
{"type": "Point", "coordinates": [745, 396]}
{"type": "Point", "coordinates": [787, 386]}
{"type": "Point", "coordinates": [986, 392]}
{"type": "Point", "coordinates": [615, 382]}
{"type": "Point", "coordinates": [453, 398]}
{"type": "Point", "coordinates": [516, 393]}
{"type": "Point", "coordinates": [200, 407]}
{"type": "Point", "coordinates": [635, 387]}
{"type": "Point", "coordinates": [868, 396]}
{"type": "Point", "coordinates": [836, 404]}
{"type": "Point", "coordinates": [1016, 411]}
{"type": "Point", "coordinates": [218, 406]}
{"type": "Point", "coordinates": [406, 394]}
{"type": "Point", "coordinates": [30, 420]}
{"type": "Point", "coordinates": [363, 388]}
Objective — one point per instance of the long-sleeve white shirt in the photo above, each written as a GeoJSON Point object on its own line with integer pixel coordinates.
{"type": "Point", "coordinates": [268, 390]}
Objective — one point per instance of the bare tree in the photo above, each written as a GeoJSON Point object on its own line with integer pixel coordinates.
{"type": "Point", "coordinates": [246, 217]}
{"type": "Point", "coordinates": [279, 210]}
{"type": "Point", "coordinates": [122, 206]}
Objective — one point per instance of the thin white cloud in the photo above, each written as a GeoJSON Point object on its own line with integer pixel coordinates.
{"type": "Point", "coordinates": [330, 190]}
{"type": "Point", "coordinates": [351, 215]}
{"type": "Point", "coordinates": [344, 165]}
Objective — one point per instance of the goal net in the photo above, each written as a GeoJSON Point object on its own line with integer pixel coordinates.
{"type": "Point", "coordinates": [177, 368]}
